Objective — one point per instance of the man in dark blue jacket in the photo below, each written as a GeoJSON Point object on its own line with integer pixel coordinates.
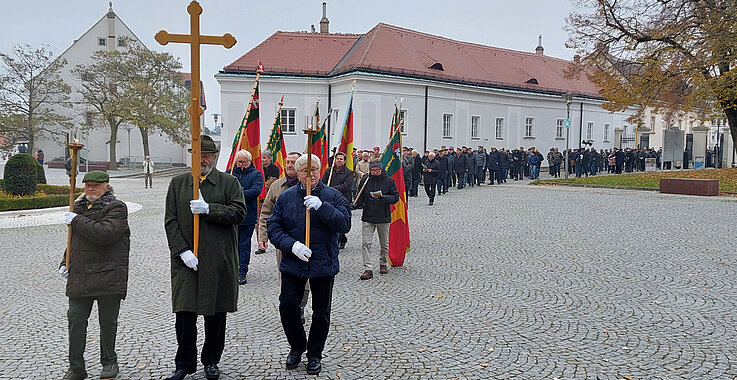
{"type": "Point", "coordinates": [252, 181]}
{"type": "Point", "coordinates": [330, 216]}
{"type": "Point", "coordinates": [460, 164]}
{"type": "Point", "coordinates": [494, 163]}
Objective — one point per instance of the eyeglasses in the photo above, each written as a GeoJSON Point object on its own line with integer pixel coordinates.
{"type": "Point", "coordinates": [314, 170]}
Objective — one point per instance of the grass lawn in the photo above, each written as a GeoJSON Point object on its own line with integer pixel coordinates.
{"type": "Point", "coordinates": [727, 179]}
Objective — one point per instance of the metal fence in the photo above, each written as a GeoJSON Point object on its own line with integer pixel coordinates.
{"type": "Point", "coordinates": [137, 161]}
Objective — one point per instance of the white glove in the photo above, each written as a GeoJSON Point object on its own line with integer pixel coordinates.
{"type": "Point", "coordinates": [189, 259]}
{"type": "Point", "coordinates": [301, 251]}
{"type": "Point", "coordinates": [312, 202]}
{"type": "Point", "coordinates": [199, 206]}
{"type": "Point", "coordinates": [68, 217]}
{"type": "Point", "coordinates": [63, 271]}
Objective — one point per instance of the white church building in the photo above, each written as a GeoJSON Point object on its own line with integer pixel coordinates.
{"type": "Point", "coordinates": [110, 33]}
{"type": "Point", "coordinates": [453, 93]}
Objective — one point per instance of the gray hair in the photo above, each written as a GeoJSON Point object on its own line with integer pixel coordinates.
{"type": "Point", "coordinates": [303, 160]}
{"type": "Point", "coordinates": [267, 153]}
{"type": "Point", "coordinates": [245, 153]}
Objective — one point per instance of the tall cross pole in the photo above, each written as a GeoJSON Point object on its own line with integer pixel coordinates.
{"type": "Point", "coordinates": [195, 110]}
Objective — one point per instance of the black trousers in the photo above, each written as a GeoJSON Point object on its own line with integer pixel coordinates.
{"type": "Point", "coordinates": [430, 191]}
{"type": "Point", "coordinates": [292, 292]}
{"type": "Point", "coordinates": [212, 349]}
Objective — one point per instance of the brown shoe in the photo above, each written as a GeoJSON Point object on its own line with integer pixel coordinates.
{"type": "Point", "coordinates": [383, 269]}
{"type": "Point", "coordinates": [367, 275]}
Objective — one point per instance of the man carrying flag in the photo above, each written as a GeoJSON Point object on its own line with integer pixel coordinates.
{"type": "Point", "coordinates": [378, 195]}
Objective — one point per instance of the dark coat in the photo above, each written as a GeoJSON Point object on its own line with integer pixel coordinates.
{"type": "Point", "coordinates": [287, 225]}
{"type": "Point", "coordinates": [377, 210]}
{"type": "Point", "coordinates": [451, 162]}
{"type": "Point", "coordinates": [100, 246]}
{"type": "Point", "coordinates": [213, 288]}
{"type": "Point", "coordinates": [252, 183]}
{"type": "Point", "coordinates": [431, 177]}
{"type": "Point", "coordinates": [495, 161]}
{"type": "Point", "coordinates": [460, 163]}
{"type": "Point", "coordinates": [518, 158]}
{"type": "Point", "coordinates": [443, 166]}
{"type": "Point", "coordinates": [417, 170]}
{"type": "Point", "coordinates": [343, 179]}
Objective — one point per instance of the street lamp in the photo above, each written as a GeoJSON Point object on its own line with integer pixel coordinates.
{"type": "Point", "coordinates": [567, 124]}
{"type": "Point", "coordinates": [215, 117]}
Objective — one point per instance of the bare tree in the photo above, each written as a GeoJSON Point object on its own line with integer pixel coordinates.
{"type": "Point", "coordinates": [31, 90]}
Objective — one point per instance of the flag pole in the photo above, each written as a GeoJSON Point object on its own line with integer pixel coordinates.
{"type": "Point", "coordinates": [74, 147]}
{"type": "Point", "coordinates": [308, 188]}
{"type": "Point", "coordinates": [259, 70]}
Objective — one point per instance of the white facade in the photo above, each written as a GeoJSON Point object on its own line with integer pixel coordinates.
{"type": "Point", "coordinates": [105, 34]}
{"type": "Point", "coordinates": [374, 105]}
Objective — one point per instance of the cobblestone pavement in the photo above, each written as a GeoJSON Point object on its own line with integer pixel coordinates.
{"type": "Point", "coordinates": [500, 284]}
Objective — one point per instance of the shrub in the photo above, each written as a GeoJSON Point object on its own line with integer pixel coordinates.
{"type": "Point", "coordinates": [40, 174]}
{"type": "Point", "coordinates": [36, 201]}
{"type": "Point", "coordinates": [20, 175]}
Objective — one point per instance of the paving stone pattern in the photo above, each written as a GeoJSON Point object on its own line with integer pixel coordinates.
{"type": "Point", "coordinates": [501, 283]}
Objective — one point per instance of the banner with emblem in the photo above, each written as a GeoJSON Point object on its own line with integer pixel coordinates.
{"type": "Point", "coordinates": [391, 161]}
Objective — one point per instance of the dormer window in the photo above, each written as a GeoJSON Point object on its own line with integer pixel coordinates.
{"type": "Point", "coordinates": [436, 66]}
{"type": "Point", "coordinates": [532, 81]}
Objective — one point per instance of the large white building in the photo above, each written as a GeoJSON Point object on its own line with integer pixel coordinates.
{"type": "Point", "coordinates": [453, 93]}
{"type": "Point", "coordinates": [107, 33]}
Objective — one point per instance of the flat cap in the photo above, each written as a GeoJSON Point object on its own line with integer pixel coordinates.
{"type": "Point", "coordinates": [96, 176]}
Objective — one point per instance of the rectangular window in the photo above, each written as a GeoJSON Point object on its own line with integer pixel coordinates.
{"type": "Point", "coordinates": [559, 128]}
{"type": "Point", "coordinates": [529, 127]}
{"type": "Point", "coordinates": [475, 121]}
{"type": "Point", "coordinates": [590, 131]}
{"type": "Point", "coordinates": [88, 118]}
{"type": "Point", "coordinates": [121, 42]}
{"type": "Point", "coordinates": [288, 121]}
{"type": "Point", "coordinates": [447, 126]}
{"type": "Point", "coordinates": [403, 126]}
{"type": "Point", "coordinates": [606, 132]}
{"type": "Point", "coordinates": [499, 128]}
{"type": "Point", "coordinates": [652, 123]}
{"type": "Point", "coordinates": [101, 41]}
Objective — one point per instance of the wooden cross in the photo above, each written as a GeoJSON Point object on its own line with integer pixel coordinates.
{"type": "Point", "coordinates": [310, 132]}
{"type": "Point", "coordinates": [195, 110]}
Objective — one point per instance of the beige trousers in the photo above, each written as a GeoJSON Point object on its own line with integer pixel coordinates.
{"type": "Point", "coordinates": [367, 232]}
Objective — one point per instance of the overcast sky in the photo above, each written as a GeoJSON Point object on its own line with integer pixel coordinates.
{"type": "Point", "coordinates": [501, 23]}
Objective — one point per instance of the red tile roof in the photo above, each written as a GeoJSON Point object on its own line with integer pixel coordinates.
{"type": "Point", "coordinates": [297, 53]}
{"type": "Point", "coordinates": [393, 50]}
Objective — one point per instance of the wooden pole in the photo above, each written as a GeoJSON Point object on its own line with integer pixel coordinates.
{"type": "Point", "coordinates": [308, 187]}
{"type": "Point", "coordinates": [195, 39]}
{"type": "Point", "coordinates": [332, 169]}
{"type": "Point", "coordinates": [259, 70]}
{"type": "Point", "coordinates": [358, 195]}
{"type": "Point", "coordinates": [74, 147]}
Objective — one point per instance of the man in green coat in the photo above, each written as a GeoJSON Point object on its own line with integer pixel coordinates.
{"type": "Point", "coordinates": [98, 271]}
{"type": "Point", "coordinates": [208, 284]}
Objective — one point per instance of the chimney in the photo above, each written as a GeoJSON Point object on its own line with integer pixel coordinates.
{"type": "Point", "coordinates": [539, 49]}
{"type": "Point", "coordinates": [324, 22]}
{"type": "Point", "coordinates": [312, 28]}
{"type": "Point", "coordinates": [577, 58]}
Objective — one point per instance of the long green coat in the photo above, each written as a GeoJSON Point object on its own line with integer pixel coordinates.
{"type": "Point", "coordinates": [213, 288]}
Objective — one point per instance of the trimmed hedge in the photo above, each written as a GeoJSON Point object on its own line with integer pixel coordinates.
{"type": "Point", "coordinates": [35, 202]}
{"type": "Point", "coordinates": [20, 175]}
{"type": "Point", "coordinates": [53, 196]}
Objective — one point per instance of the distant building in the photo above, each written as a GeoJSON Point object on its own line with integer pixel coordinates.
{"type": "Point", "coordinates": [107, 33]}
{"type": "Point", "coordinates": [454, 93]}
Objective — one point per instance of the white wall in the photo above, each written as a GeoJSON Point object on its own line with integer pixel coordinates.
{"type": "Point", "coordinates": [374, 105]}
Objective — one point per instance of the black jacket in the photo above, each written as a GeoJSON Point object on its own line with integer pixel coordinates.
{"type": "Point", "coordinates": [460, 163]}
{"type": "Point", "coordinates": [377, 210]}
{"type": "Point", "coordinates": [431, 178]}
{"type": "Point", "coordinates": [342, 180]}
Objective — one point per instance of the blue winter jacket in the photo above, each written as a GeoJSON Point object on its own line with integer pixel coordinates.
{"type": "Point", "coordinates": [252, 181]}
{"type": "Point", "coordinates": [287, 225]}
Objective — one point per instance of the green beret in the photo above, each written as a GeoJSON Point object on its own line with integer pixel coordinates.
{"type": "Point", "coordinates": [96, 176]}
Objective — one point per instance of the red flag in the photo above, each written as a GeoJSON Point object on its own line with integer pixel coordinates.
{"type": "Point", "coordinates": [320, 143]}
{"type": "Point", "coordinates": [346, 141]}
{"type": "Point", "coordinates": [276, 143]}
{"type": "Point", "coordinates": [251, 138]}
{"type": "Point", "coordinates": [391, 161]}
